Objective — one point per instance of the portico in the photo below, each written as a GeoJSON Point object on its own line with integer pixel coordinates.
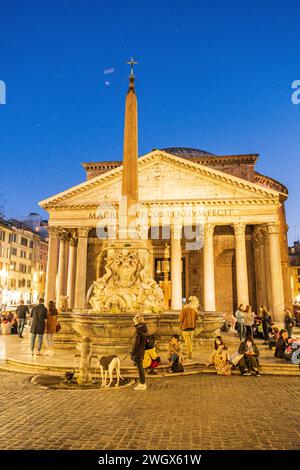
{"type": "Point", "coordinates": [236, 252]}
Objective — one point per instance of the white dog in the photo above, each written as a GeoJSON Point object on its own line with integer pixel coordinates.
{"type": "Point", "coordinates": [109, 364]}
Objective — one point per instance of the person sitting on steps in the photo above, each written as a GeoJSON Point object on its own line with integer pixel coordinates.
{"type": "Point", "coordinates": [249, 361]}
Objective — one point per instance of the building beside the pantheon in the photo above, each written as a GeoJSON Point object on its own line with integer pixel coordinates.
{"type": "Point", "coordinates": [242, 254]}
{"type": "Point", "coordinates": [23, 261]}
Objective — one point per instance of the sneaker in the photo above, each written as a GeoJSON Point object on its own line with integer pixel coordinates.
{"type": "Point", "coordinates": [257, 374]}
{"type": "Point", "coordinates": [141, 387]}
{"type": "Point", "coordinates": [38, 353]}
{"type": "Point", "coordinates": [20, 336]}
{"type": "Point", "coordinates": [247, 372]}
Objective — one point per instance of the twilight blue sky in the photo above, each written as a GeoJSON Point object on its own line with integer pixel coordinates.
{"type": "Point", "coordinates": [211, 74]}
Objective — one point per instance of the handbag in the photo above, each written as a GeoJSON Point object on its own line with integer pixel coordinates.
{"type": "Point", "coordinates": [58, 327]}
{"type": "Point", "coordinates": [235, 358]}
{"type": "Point", "coordinates": [177, 366]}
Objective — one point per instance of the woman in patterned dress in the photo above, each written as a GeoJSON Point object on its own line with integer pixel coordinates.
{"type": "Point", "coordinates": [220, 358]}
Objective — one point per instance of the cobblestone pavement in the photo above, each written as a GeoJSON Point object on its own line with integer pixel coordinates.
{"type": "Point", "coordinates": [191, 412]}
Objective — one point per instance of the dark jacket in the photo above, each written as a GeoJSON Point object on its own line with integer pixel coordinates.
{"type": "Point", "coordinates": [138, 349]}
{"type": "Point", "coordinates": [39, 315]}
{"type": "Point", "coordinates": [289, 322]}
{"type": "Point", "coordinates": [266, 319]}
{"type": "Point", "coordinates": [243, 349]}
{"type": "Point", "coordinates": [22, 310]}
{"type": "Point", "coordinates": [281, 347]}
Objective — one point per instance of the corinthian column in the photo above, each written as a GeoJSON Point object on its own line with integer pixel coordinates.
{"type": "Point", "coordinates": [209, 269]}
{"type": "Point", "coordinates": [276, 272]}
{"type": "Point", "coordinates": [241, 264]}
{"type": "Point", "coordinates": [63, 235]}
{"type": "Point", "coordinates": [256, 252]}
{"type": "Point", "coordinates": [81, 267]}
{"type": "Point", "coordinates": [262, 263]}
{"type": "Point", "coordinates": [176, 278]}
{"type": "Point", "coordinates": [50, 289]}
{"type": "Point", "coordinates": [72, 270]}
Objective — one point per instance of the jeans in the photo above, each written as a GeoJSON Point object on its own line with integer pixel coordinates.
{"type": "Point", "coordinates": [242, 331]}
{"type": "Point", "coordinates": [21, 324]}
{"type": "Point", "coordinates": [290, 332]}
{"type": "Point", "coordinates": [40, 341]}
{"type": "Point", "coordinates": [248, 363]}
{"type": "Point", "coordinates": [266, 332]}
{"type": "Point", "coordinates": [141, 371]}
{"type": "Point", "coordinates": [249, 331]}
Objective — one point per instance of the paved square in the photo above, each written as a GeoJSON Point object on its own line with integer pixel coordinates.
{"type": "Point", "coordinates": [187, 412]}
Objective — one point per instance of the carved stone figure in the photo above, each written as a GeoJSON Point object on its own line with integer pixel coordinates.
{"type": "Point", "coordinates": [126, 286]}
{"type": "Point", "coordinates": [63, 304]}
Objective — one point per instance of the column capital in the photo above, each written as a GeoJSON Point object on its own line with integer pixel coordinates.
{"type": "Point", "coordinates": [53, 231]}
{"type": "Point", "coordinates": [83, 232]}
{"type": "Point", "coordinates": [258, 235]}
{"type": "Point", "coordinates": [73, 239]}
{"type": "Point", "coordinates": [255, 239]}
{"type": "Point", "coordinates": [63, 234]}
{"type": "Point", "coordinates": [209, 229]}
{"type": "Point", "coordinates": [239, 228]}
{"type": "Point", "coordinates": [273, 227]}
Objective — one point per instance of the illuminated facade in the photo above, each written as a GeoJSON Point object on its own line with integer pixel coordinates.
{"type": "Point", "coordinates": [23, 260]}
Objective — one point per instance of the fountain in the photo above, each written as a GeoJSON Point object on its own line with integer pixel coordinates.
{"type": "Point", "coordinates": [127, 286]}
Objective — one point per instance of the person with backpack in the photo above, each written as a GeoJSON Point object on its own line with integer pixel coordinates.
{"type": "Point", "coordinates": [175, 354]}
{"type": "Point", "coordinates": [151, 359]}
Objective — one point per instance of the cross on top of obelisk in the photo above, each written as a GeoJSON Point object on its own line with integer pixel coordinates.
{"type": "Point", "coordinates": [131, 63]}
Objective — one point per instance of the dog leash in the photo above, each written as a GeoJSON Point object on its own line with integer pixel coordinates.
{"type": "Point", "coordinates": [121, 360]}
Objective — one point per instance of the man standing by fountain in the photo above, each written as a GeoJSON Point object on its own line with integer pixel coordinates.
{"type": "Point", "coordinates": [138, 350]}
{"type": "Point", "coordinates": [188, 320]}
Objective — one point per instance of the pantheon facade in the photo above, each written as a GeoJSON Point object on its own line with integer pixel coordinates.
{"type": "Point", "coordinates": [241, 256]}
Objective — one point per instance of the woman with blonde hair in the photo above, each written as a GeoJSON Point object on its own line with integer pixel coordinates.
{"type": "Point", "coordinates": [249, 321]}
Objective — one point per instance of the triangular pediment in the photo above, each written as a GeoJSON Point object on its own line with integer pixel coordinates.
{"type": "Point", "coordinates": [162, 177]}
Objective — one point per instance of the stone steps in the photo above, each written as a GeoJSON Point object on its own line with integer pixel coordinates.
{"type": "Point", "coordinates": [13, 365]}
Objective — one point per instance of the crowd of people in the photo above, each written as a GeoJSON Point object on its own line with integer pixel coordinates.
{"type": "Point", "coordinates": [42, 321]}
{"type": "Point", "coordinates": [247, 325]}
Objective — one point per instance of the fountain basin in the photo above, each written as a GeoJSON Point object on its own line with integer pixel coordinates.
{"type": "Point", "coordinates": [113, 333]}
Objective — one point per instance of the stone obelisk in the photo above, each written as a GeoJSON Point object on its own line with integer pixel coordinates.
{"type": "Point", "coordinates": [129, 200]}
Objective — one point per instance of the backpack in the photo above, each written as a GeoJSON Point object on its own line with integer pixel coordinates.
{"type": "Point", "coordinates": [177, 366]}
{"type": "Point", "coordinates": [150, 342]}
